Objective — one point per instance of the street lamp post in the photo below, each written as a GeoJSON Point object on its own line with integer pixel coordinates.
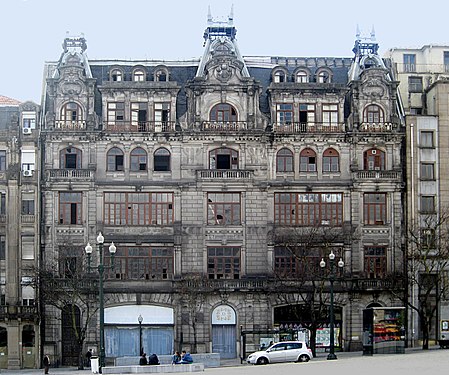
{"type": "Point", "coordinates": [101, 267]}
{"type": "Point", "coordinates": [140, 320]}
{"type": "Point", "coordinates": [340, 263]}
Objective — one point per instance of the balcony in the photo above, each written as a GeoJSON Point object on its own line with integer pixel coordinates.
{"type": "Point", "coordinates": [377, 284]}
{"type": "Point", "coordinates": [387, 176]}
{"type": "Point", "coordinates": [27, 219]}
{"type": "Point", "coordinates": [224, 126]}
{"type": "Point", "coordinates": [224, 174]}
{"type": "Point", "coordinates": [227, 284]}
{"type": "Point", "coordinates": [69, 175]}
{"type": "Point", "coordinates": [16, 312]}
{"type": "Point", "coordinates": [306, 128]}
{"type": "Point", "coordinates": [140, 126]}
{"type": "Point", "coordinates": [70, 125]}
{"type": "Point", "coordinates": [380, 127]}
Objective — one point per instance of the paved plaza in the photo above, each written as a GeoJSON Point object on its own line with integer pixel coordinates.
{"type": "Point", "coordinates": [434, 361]}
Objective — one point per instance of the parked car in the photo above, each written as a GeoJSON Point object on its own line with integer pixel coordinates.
{"type": "Point", "coordinates": [285, 351]}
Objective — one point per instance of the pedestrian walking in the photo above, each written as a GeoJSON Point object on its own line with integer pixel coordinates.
{"type": "Point", "coordinates": [46, 362]}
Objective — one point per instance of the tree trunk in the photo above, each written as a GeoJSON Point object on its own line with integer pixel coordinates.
{"type": "Point", "coordinates": [80, 356]}
{"type": "Point", "coordinates": [313, 341]}
{"type": "Point", "coordinates": [425, 326]}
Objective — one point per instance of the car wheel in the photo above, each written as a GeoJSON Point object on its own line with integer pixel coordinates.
{"type": "Point", "coordinates": [303, 358]}
{"type": "Point", "coordinates": [262, 361]}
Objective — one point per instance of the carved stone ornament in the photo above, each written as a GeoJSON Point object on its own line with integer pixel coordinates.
{"type": "Point", "coordinates": [223, 72]}
{"type": "Point", "coordinates": [71, 88]}
{"type": "Point", "coordinates": [373, 88]}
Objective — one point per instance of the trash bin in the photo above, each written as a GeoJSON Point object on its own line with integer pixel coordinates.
{"type": "Point", "coordinates": [95, 364]}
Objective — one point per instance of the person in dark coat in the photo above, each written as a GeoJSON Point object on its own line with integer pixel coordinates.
{"type": "Point", "coordinates": [153, 359]}
{"type": "Point", "coordinates": [88, 356]}
{"type": "Point", "coordinates": [186, 358]}
{"type": "Point", "coordinates": [143, 360]}
{"type": "Point", "coordinates": [46, 362]}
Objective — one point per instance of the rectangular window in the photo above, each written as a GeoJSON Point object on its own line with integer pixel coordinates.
{"type": "Point", "coordinates": [427, 204]}
{"type": "Point", "coordinates": [2, 160]}
{"type": "Point", "coordinates": [27, 206]}
{"type": "Point", "coordinates": [161, 116]}
{"type": "Point", "coordinates": [139, 116]}
{"type": "Point", "coordinates": [306, 116]}
{"type": "Point", "coordinates": [409, 62]}
{"type": "Point", "coordinates": [308, 209]}
{"type": "Point", "coordinates": [427, 239]}
{"type": "Point", "coordinates": [142, 263]}
{"type": "Point", "coordinates": [446, 61]}
{"type": "Point", "coordinates": [291, 263]}
{"type": "Point", "coordinates": [27, 247]}
{"type": "Point", "coordinates": [138, 209]}
{"type": "Point", "coordinates": [223, 262]}
{"type": "Point", "coordinates": [2, 203]}
{"type": "Point", "coordinates": [2, 247]}
{"type": "Point", "coordinates": [330, 114]}
{"type": "Point", "coordinates": [426, 139]}
{"type": "Point", "coordinates": [284, 113]}
{"type": "Point", "coordinates": [116, 113]}
{"type": "Point", "coordinates": [70, 208]}
{"type": "Point", "coordinates": [375, 262]}
{"type": "Point", "coordinates": [427, 171]}
{"type": "Point", "coordinates": [415, 84]}
{"type": "Point", "coordinates": [223, 209]}
{"type": "Point", "coordinates": [375, 208]}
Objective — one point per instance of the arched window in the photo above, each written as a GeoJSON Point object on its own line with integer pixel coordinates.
{"type": "Point", "coordinates": [115, 159]}
{"type": "Point", "coordinates": [324, 76]}
{"type": "Point", "coordinates": [373, 114]}
{"type": "Point", "coordinates": [70, 112]}
{"type": "Point", "coordinates": [279, 76]}
{"type": "Point", "coordinates": [331, 160]}
{"type": "Point", "coordinates": [223, 158]}
{"type": "Point", "coordinates": [116, 75]}
{"type": "Point", "coordinates": [302, 76]}
{"type": "Point", "coordinates": [138, 160]}
{"type": "Point", "coordinates": [284, 160]}
{"type": "Point", "coordinates": [162, 160]}
{"type": "Point", "coordinates": [70, 158]}
{"type": "Point", "coordinates": [138, 75]}
{"type": "Point", "coordinates": [374, 160]}
{"type": "Point", "coordinates": [223, 113]}
{"type": "Point", "coordinates": [307, 160]}
{"type": "Point", "coordinates": [161, 76]}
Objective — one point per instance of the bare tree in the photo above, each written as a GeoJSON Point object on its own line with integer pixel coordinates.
{"type": "Point", "coordinates": [427, 264]}
{"type": "Point", "coordinates": [304, 286]}
{"type": "Point", "coordinates": [64, 284]}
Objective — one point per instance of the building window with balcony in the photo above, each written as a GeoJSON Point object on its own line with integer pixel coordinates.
{"type": "Point", "coordinates": [415, 84]}
{"type": "Point", "coordinates": [115, 159]}
{"type": "Point", "coordinates": [375, 261]}
{"type": "Point", "coordinates": [409, 62]}
{"type": "Point", "coordinates": [374, 160]}
{"type": "Point", "coordinates": [138, 209]}
{"type": "Point", "coordinates": [427, 204]}
{"type": "Point", "coordinates": [284, 160]}
{"type": "Point", "coordinates": [161, 159]}
{"type": "Point", "coordinates": [308, 209]}
{"type": "Point", "coordinates": [70, 158]}
{"type": "Point", "coordinates": [27, 206]}
{"type": "Point", "coordinates": [2, 160]}
{"type": "Point", "coordinates": [71, 112]}
{"type": "Point", "coordinates": [306, 116]}
{"type": "Point", "coordinates": [427, 171]}
{"type": "Point", "coordinates": [426, 139]}
{"type": "Point", "coordinates": [138, 158]}
{"type": "Point", "coordinates": [331, 160]}
{"type": "Point", "coordinates": [70, 205]}
{"type": "Point", "coordinates": [223, 262]}
{"type": "Point", "coordinates": [375, 208]}
{"type": "Point", "coordinates": [223, 158]}
{"type": "Point", "coordinates": [301, 76]}
{"type": "Point", "coordinates": [139, 75]}
{"type": "Point", "coordinates": [139, 116]}
{"type": "Point", "coordinates": [293, 262]}
{"type": "Point", "coordinates": [116, 113]}
{"type": "Point", "coordinates": [116, 75]}
{"type": "Point", "coordinates": [307, 160]}
{"type": "Point", "coordinates": [284, 114]}
{"type": "Point", "coordinates": [223, 209]}
{"type": "Point", "coordinates": [373, 114]}
{"type": "Point", "coordinates": [142, 263]}
{"type": "Point", "coordinates": [161, 117]}
{"type": "Point", "coordinates": [330, 114]}
{"type": "Point", "coordinates": [223, 113]}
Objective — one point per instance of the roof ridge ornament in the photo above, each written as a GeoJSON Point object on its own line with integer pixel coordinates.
{"type": "Point", "coordinates": [74, 43]}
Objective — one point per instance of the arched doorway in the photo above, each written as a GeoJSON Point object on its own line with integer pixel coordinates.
{"type": "Point", "coordinates": [70, 349]}
{"type": "Point", "coordinates": [224, 331]}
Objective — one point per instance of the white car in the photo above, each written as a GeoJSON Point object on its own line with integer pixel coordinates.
{"type": "Point", "coordinates": [285, 351]}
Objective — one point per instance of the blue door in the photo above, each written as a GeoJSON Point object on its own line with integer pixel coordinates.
{"type": "Point", "coordinates": [224, 341]}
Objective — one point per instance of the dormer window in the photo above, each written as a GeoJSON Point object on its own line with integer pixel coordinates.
{"type": "Point", "coordinates": [279, 77]}
{"type": "Point", "coordinates": [138, 75]}
{"type": "Point", "coordinates": [116, 75]}
{"type": "Point", "coordinates": [302, 77]}
{"type": "Point", "coordinates": [323, 76]}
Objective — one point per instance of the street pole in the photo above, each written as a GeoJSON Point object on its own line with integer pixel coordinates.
{"type": "Point", "coordinates": [101, 267]}
{"type": "Point", "coordinates": [331, 355]}
{"type": "Point", "coordinates": [140, 320]}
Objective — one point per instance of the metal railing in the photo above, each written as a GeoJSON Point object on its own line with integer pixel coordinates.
{"type": "Point", "coordinates": [228, 174]}
{"type": "Point", "coordinates": [70, 125]}
{"type": "Point", "coordinates": [378, 175]}
{"type": "Point", "coordinates": [377, 127]}
{"type": "Point", "coordinates": [307, 127]}
{"type": "Point", "coordinates": [139, 126]}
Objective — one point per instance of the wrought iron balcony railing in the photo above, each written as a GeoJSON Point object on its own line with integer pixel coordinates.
{"type": "Point", "coordinates": [307, 127]}
{"type": "Point", "coordinates": [224, 174]}
{"type": "Point", "coordinates": [378, 127]}
{"type": "Point", "coordinates": [70, 125]}
{"type": "Point", "coordinates": [140, 126]}
{"type": "Point", "coordinates": [378, 175]}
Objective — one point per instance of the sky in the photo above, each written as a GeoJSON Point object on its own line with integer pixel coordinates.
{"type": "Point", "coordinates": [32, 31]}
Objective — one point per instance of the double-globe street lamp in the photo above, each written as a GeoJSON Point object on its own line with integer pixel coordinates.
{"type": "Point", "coordinates": [101, 267]}
{"type": "Point", "coordinates": [340, 264]}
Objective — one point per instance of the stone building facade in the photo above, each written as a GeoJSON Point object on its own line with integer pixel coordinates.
{"type": "Point", "coordinates": [222, 183]}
